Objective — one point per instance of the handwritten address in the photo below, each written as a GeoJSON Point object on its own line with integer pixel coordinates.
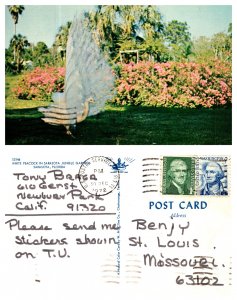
{"type": "Point", "coordinates": [81, 219]}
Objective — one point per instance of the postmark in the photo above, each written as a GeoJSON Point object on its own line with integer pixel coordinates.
{"type": "Point", "coordinates": [212, 176]}
{"type": "Point", "coordinates": [150, 174]}
{"type": "Point", "coordinates": [178, 177]}
{"type": "Point", "coordinates": [97, 177]}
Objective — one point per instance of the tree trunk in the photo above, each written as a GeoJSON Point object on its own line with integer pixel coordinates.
{"type": "Point", "coordinates": [18, 61]}
{"type": "Point", "coordinates": [14, 54]}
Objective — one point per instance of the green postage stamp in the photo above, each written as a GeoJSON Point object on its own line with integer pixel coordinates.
{"type": "Point", "coordinates": [178, 176]}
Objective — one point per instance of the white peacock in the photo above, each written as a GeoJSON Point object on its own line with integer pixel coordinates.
{"type": "Point", "coordinates": [89, 81]}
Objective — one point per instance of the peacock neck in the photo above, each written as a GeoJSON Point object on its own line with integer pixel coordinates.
{"type": "Point", "coordinates": [85, 112]}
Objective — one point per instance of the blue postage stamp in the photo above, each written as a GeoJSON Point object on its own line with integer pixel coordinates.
{"type": "Point", "coordinates": [212, 176]}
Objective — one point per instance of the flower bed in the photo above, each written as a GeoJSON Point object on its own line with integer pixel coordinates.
{"type": "Point", "coordinates": [174, 84]}
{"type": "Point", "coordinates": [40, 83]}
{"type": "Point", "coordinates": [171, 84]}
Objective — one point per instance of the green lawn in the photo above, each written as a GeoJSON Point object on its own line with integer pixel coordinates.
{"type": "Point", "coordinates": [118, 125]}
{"type": "Point", "coordinates": [11, 102]}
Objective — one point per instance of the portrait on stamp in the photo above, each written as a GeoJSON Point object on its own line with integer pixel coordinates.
{"type": "Point", "coordinates": [178, 176]}
{"type": "Point", "coordinates": [213, 178]}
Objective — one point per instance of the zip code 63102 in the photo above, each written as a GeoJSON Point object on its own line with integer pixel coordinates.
{"type": "Point", "coordinates": [199, 279]}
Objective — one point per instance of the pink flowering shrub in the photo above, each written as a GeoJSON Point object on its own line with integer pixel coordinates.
{"type": "Point", "coordinates": [40, 83]}
{"type": "Point", "coordinates": [171, 84]}
{"type": "Point", "coordinates": [174, 84]}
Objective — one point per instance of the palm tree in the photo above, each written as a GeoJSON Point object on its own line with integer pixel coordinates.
{"type": "Point", "coordinates": [103, 24]}
{"type": "Point", "coordinates": [19, 44]}
{"type": "Point", "coordinates": [120, 26]}
{"type": "Point", "coordinates": [112, 25]}
{"type": "Point", "coordinates": [151, 22]}
{"type": "Point", "coordinates": [15, 11]}
{"type": "Point", "coordinates": [60, 42]}
{"type": "Point", "coordinates": [129, 19]}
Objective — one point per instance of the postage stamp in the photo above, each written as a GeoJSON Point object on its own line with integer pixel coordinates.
{"type": "Point", "coordinates": [211, 176]}
{"type": "Point", "coordinates": [97, 176]}
{"type": "Point", "coordinates": [178, 176]}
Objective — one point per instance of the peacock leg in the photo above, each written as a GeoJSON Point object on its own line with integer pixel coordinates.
{"type": "Point", "coordinates": [71, 130]}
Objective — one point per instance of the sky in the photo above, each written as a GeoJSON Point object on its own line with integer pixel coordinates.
{"type": "Point", "coordinates": [41, 22]}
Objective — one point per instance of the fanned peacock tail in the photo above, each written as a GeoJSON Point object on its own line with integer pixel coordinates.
{"type": "Point", "coordinates": [87, 72]}
{"type": "Point", "coordinates": [88, 75]}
